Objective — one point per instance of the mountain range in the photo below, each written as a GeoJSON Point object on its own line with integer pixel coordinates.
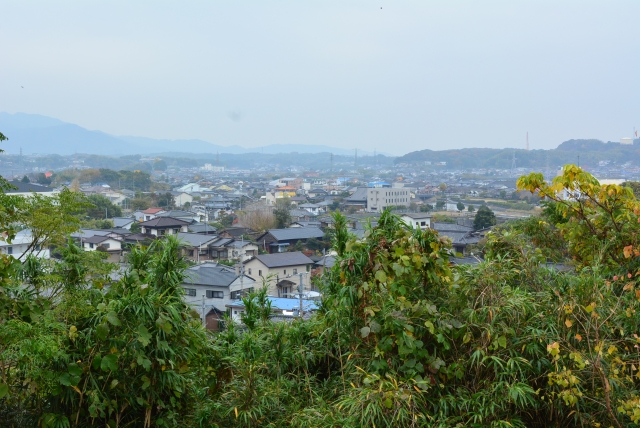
{"type": "Point", "coordinates": [35, 133]}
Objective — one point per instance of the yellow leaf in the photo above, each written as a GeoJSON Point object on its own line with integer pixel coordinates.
{"type": "Point", "coordinates": [568, 323]}
{"type": "Point", "coordinates": [235, 409]}
{"type": "Point", "coordinates": [579, 337]}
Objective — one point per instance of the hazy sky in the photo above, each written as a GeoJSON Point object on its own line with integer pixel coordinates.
{"type": "Point", "coordinates": [409, 76]}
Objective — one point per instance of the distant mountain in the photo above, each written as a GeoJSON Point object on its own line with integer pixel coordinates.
{"type": "Point", "coordinates": [589, 151]}
{"type": "Point", "coordinates": [41, 134]}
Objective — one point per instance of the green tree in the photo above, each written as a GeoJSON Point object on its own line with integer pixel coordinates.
{"type": "Point", "coordinates": [426, 208]}
{"type": "Point", "coordinates": [471, 208]}
{"type": "Point", "coordinates": [460, 206]}
{"type": "Point", "coordinates": [25, 179]}
{"type": "Point", "coordinates": [101, 207]}
{"type": "Point", "coordinates": [484, 218]}
{"type": "Point", "coordinates": [166, 200]}
{"type": "Point", "coordinates": [160, 165]}
{"type": "Point", "coordinates": [43, 179]}
{"type": "Point", "coordinates": [282, 212]}
{"type": "Point", "coordinates": [440, 205]}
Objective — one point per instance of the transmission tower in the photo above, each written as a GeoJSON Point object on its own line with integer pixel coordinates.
{"type": "Point", "coordinates": [513, 163]}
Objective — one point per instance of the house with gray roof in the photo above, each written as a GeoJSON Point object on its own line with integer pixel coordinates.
{"type": "Point", "coordinates": [160, 226]}
{"type": "Point", "coordinates": [217, 285]}
{"type": "Point", "coordinates": [281, 272]}
{"type": "Point", "coordinates": [278, 240]}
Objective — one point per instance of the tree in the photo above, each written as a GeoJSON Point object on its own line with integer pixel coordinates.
{"type": "Point", "coordinates": [503, 194]}
{"type": "Point", "coordinates": [258, 217]}
{"type": "Point", "coordinates": [425, 208]}
{"type": "Point", "coordinates": [159, 165]}
{"type": "Point", "coordinates": [282, 212]}
{"type": "Point", "coordinates": [43, 179]}
{"type": "Point", "coordinates": [25, 179]}
{"type": "Point", "coordinates": [471, 208]}
{"type": "Point", "coordinates": [135, 227]}
{"type": "Point", "coordinates": [484, 218]}
{"type": "Point", "coordinates": [442, 187]}
{"type": "Point", "coordinates": [102, 207]}
{"type": "Point", "coordinates": [166, 200]}
{"type": "Point", "coordinates": [460, 206]}
{"type": "Point", "coordinates": [440, 205]}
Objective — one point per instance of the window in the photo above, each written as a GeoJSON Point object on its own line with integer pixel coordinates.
{"type": "Point", "coordinates": [90, 245]}
{"type": "Point", "coordinates": [295, 271]}
{"type": "Point", "coordinates": [190, 292]}
{"type": "Point", "coordinates": [259, 272]}
{"type": "Point", "coordinates": [106, 246]}
{"type": "Point", "coordinates": [249, 271]}
{"type": "Point", "coordinates": [308, 268]}
{"type": "Point", "coordinates": [9, 250]}
{"type": "Point", "coordinates": [215, 294]}
{"type": "Point", "coordinates": [424, 223]}
{"type": "Point", "coordinates": [284, 272]}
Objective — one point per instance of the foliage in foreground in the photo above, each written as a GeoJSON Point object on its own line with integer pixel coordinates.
{"type": "Point", "coordinates": [542, 333]}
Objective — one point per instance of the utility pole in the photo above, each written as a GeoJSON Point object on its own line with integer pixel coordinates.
{"type": "Point", "coordinates": [204, 320]}
{"type": "Point", "coordinates": [300, 294]}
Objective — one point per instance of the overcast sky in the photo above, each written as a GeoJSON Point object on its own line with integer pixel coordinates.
{"type": "Point", "coordinates": [395, 76]}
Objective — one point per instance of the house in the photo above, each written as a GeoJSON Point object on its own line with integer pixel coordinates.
{"type": "Point", "coordinates": [461, 236]}
{"type": "Point", "coordinates": [282, 308]}
{"type": "Point", "coordinates": [22, 246]}
{"type": "Point", "coordinates": [202, 228]}
{"type": "Point", "coordinates": [314, 209]}
{"type": "Point", "coordinates": [148, 214]}
{"type": "Point", "coordinates": [278, 240]}
{"type": "Point", "coordinates": [242, 250]}
{"type": "Point", "coordinates": [27, 189]}
{"type": "Point", "coordinates": [123, 222]}
{"type": "Point", "coordinates": [281, 272]}
{"type": "Point", "coordinates": [214, 285]}
{"type": "Point", "coordinates": [164, 226]}
{"type": "Point", "coordinates": [109, 245]}
{"type": "Point", "coordinates": [188, 216]}
{"type": "Point", "coordinates": [180, 198]}
{"type": "Point", "coordinates": [357, 199]}
{"type": "Point", "coordinates": [195, 246]}
{"type": "Point", "coordinates": [417, 220]}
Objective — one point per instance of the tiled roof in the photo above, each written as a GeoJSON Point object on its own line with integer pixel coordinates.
{"type": "Point", "coordinates": [213, 274]}
{"type": "Point", "coordinates": [296, 233]}
{"type": "Point", "coordinates": [283, 259]}
{"type": "Point", "coordinates": [28, 187]}
{"type": "Point", "coordinates": [152, 210]}
{"type": "Point", "coordinates": [164, 222]}
{"type": "Point", "coordinates": [196, 239]}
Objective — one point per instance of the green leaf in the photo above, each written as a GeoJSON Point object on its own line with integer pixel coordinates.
{"type": "Point", "coordinates": [381, 276]}
{"type": "Point", "coordinates": [109, 362]}
{"type": "Point", "coordinates": [144, 336]}
{"type": "Point", "coordinates": [112, 317]}
{"type": "Point", "coordinates": [4, 389]}
{"type": "Point", "coordinates": [102, 331]}
{"type": "Point", "coordinates": [146, 382]}
{"type": "Point", "coordinates": [502, 341]}
{"type": "Point", "coordinates": [67, 379]}
{"type": "Point", "coordinates": [364, 331]}
{"type": "Point", "coordinates": [74, 369]}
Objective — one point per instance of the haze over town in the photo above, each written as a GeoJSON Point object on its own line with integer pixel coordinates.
{"type": "Point", "coordinates": [388, 76]}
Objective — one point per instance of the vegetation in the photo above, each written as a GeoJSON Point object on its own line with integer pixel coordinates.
{"type": "Point", "coordinates": [484, 218]}
{"type": "Point", "coordinates": [402, 337]}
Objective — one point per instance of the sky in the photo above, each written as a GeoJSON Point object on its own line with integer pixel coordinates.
{"type": "Point", "coordinates": [394, 76]}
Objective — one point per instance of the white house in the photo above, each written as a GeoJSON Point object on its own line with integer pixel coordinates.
{"type": "Point", "coordinates": [23, 243]}
{"type": "Point", "coordinates": [280, 272]}
{"type": "Point", "coordinates": [417, 220]}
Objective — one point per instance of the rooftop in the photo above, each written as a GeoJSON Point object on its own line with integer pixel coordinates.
{"type": "Point", "coordinates": [283, 259]}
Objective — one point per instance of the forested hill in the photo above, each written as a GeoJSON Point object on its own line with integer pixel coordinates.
{"type": "Point", "coordinates": [590, 152]}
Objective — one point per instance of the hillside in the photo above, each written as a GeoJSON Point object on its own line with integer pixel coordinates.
{"type": "Point", "coordinates": [589, 151]}
{"type": "Point", "coordinates": [46, 135]}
